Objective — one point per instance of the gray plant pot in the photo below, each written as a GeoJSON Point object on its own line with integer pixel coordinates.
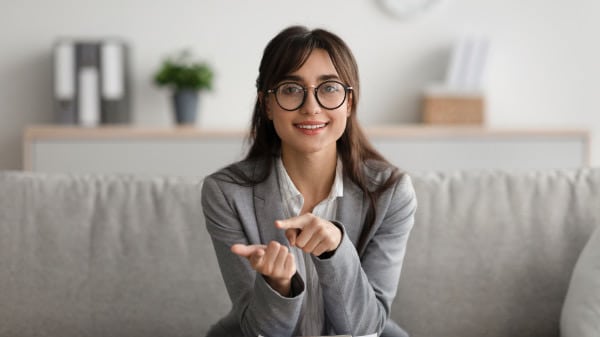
{"type": "Point", "coordinates": [185, 103]}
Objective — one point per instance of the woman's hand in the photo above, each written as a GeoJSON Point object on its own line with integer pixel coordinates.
{"type": "Point", "coordinates": [275, 262]}
{"type": "Point", "coordinates": [311, 234]}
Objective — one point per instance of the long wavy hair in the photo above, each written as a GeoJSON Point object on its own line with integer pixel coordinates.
{"type": "Point", "coordinates": [284, 54]}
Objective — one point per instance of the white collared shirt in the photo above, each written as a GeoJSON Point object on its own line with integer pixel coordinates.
{"type": "Point", "coordinates": [313, 313]}
{"type": "Point", "coordinates": [293, 199]}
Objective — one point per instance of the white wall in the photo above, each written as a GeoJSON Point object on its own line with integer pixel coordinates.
{"type": "Point", "coordinates": [544, 69]}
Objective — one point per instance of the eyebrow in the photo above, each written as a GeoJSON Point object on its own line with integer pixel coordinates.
{"type": "Point", "coordinates": [321, 78]}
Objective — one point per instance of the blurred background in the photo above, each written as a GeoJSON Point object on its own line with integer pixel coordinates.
{"type": "Point", "coordinates": [542, 69]}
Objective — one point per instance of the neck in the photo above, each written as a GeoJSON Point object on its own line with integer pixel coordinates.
{"type": "Point", "coordinates": [312, 174]}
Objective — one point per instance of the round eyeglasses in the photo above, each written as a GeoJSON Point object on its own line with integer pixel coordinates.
{"type": "Point", "coordinates": [291, 96]}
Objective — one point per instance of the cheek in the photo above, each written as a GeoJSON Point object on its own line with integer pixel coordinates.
{"type": "Point", "coordinates": [344, 112]}
{"type": "Point", "coordinates": [341, 120]}
{"type": "Point", "coordinates": [280, 123]}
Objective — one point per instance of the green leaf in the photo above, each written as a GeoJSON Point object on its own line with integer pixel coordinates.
{"type": "Point", "coordinates": [182, 72]}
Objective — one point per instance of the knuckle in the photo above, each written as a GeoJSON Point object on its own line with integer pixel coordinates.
{"type": "Point", "coordinates": [272, 249]}
{"type": "Point", "coordinates": [254, 261]}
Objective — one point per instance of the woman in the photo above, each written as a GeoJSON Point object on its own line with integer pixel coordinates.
{"type": "Point", "coordinates": [310, 229]}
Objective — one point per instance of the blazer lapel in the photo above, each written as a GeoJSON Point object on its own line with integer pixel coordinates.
{"type": "Point", "coordinates": [351, 210]}
{"type": "Point", "coordinates": [268, 207]}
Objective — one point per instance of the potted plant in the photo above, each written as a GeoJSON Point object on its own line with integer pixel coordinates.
{"type": "Point", "coordinates": [186, 77]}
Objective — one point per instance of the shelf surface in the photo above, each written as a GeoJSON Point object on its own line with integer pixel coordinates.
{"type": "Point", "coordinates": [195, 151]}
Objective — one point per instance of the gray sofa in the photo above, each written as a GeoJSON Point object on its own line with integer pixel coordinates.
{"type": "Point", "coordinates": [491, 254]}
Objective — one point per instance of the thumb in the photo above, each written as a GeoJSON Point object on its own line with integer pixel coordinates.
{"type": "Point", "coordinates": [291, 235]}
{"type": "Point", "coordinates": [247, 250]}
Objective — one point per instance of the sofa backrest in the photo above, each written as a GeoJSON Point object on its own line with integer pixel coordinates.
{"type": "Point", "coordinates": [105, 256]}
{"type": "Point", "coordinates": [491, 253]}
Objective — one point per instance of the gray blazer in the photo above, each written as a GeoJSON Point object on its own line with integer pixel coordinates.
{"type": "Point", "coordinates": [357, 287]}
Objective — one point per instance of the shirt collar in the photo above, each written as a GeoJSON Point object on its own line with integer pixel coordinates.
{"type": "Point", "coordinates": [290, 190]}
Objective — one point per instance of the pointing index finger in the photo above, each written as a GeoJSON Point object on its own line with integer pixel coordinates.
{"type": "Point", "coordinates": [295, 222]}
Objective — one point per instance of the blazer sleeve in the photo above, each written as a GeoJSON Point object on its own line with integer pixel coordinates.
{"type": "Point", "coordinates": [358, 291]}
{"type": "Point", "coordinates": [260, 310]}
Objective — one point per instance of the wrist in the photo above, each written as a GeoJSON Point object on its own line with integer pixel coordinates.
{"type": "Point", "coordinates": [282, 286]}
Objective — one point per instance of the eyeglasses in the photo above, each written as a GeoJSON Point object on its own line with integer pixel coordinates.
{"type": "Point", "coordinates": [291, 96]}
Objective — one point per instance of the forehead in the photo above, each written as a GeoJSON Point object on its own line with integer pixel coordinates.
{"type": "Point", "coordinates": [317, 65]}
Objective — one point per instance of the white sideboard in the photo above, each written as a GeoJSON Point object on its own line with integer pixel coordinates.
{"type": "Point", "coordinates": [197, 152]}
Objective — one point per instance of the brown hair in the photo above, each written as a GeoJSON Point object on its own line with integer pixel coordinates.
{"type": "Point", "coordinates": [286, 53]}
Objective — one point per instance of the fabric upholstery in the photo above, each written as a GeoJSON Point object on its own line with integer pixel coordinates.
{"type": "Point", "coordinates": [581, 311]}
{"type": "Point", "coordinates": [105, 256]}
{"type": "Point", "coordinates": [491, 254]}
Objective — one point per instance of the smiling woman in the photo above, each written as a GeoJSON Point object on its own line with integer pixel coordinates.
{"type": "Point", "coordinates": [310, 229]}
{"type": "Point", "coordinates": [321, 114]}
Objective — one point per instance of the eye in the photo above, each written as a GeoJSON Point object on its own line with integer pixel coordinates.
{"type": "Point", "coordinates": [330, 87]}
{"type": "Point", "coordinates": [291, 89]}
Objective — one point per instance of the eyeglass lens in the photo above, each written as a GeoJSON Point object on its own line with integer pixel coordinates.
{"type": "Point", "coordinates": [330, 95]}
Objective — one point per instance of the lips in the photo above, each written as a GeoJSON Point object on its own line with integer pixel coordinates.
{"type": "Point", "coordinates": [311, 125]}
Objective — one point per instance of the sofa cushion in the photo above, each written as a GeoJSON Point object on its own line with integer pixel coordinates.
{"type": "Point", "coordinates": [491, 252]}
{"type": "Point", "coordinates": [581, 311]}
{"type": "Point", "coordinates": [105, 256]}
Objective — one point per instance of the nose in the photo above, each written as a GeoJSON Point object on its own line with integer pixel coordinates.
{"type": "Point", "coordinates": [311, 105]}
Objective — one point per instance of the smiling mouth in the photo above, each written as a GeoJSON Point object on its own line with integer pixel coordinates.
{"type": "Point", "coordinates": [311, 126]}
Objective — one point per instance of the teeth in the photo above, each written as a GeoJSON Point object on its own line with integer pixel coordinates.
{"type": "Point", "coordinates": [311, 127]}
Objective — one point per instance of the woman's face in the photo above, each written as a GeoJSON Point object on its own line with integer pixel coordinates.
{"type": "Point", "coordinates": [311, 128]}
